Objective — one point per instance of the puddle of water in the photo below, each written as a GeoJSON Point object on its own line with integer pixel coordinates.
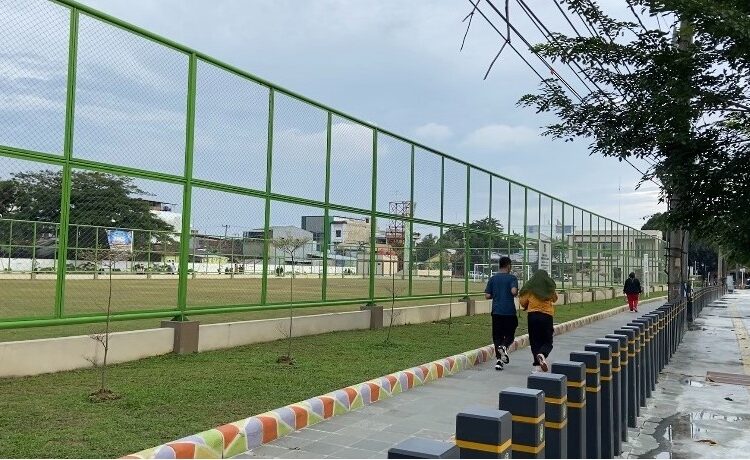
{"type": "Point", "coordinates": [684, 426]}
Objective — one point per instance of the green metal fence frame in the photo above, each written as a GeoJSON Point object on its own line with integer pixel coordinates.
{"type": "Point", "coordinates": [69, 162]}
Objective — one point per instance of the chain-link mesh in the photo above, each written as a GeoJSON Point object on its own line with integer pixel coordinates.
{"type": "Point", "coordinates": [33, 70]}
{"type": "Point", "coordinates": [30, 210]}
{"type": "Point", "coordinates": [351, 164]}
{"type": "Point", "coordinates": [125, 229]}
{"type": "Point", "coordinates": [231, 128]}
{"type": "Point", "coordinates": [299, 148]}
{"type": "Point", "coordinates": [157, 140]}
{"type": "Point", "coordinates": [130, 99]}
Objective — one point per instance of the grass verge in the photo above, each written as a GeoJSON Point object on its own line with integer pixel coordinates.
{"type": "Point", "coordinates": [168, 397]}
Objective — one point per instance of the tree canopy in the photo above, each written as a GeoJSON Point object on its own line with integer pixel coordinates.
{"type": "Point", "coordinates": [96, 199]}
{"type": "Point", "coordinates": [685, 109]}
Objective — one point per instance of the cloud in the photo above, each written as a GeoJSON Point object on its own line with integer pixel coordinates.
{"type": "Point", "coordinates": [500, 137]}
{"type": "Point", "coordinates": [433, 132]}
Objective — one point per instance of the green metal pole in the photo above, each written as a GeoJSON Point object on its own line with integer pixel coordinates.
{"type": "Point", "coordinates": [467, 245]}
{"type": "Point", "coordinates": [525, 217]}
{"type": "Point", "coordinates": [564, 245]}
{"type": "Point", "coordinates": [62, 248]}
{"type": "Point", "coordinates": [509, 231]}
{"type": "Point", "coordinates": [33, 251]}
{"type": "Point", "coordinates": [373, 211]}
{"type": "Point", "coordinates": [411, 225]}
{"type": "Point", "coordinates": [10, 243]}
{"type": "Point", "coordinates": [492, 237]}
{"type": "Point", "coordinates": [187, 193]}
{"type": "Point", "coordinates": [326, 209]}
{"type": "Point", "coordinates": [442, 206]}
{"type": "Point", "coordinates": [267, 210]}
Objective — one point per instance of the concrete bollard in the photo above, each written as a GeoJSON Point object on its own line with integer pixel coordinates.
{"type": "Point", "coordinates": [654, 318]}
{"type": "Point", "coordinates": [640, 351]}
{"type": "Point", "coordinates": [629, 373]}
{"type": "Point", "coordinates": [645, 356]}
{"type": "Point", "coordinates": [606, 425]}
{"type": "Point", "coordinates": [423, 448]}
{"type": "Point", "coordinates": [575, 372]}
{"type": "Point", "coordinates": [186, 334]}
{"type": "Point", "coordinates": [483, 432]}
{"type": "Point", "coordinates": [623, 374]}
{"type": "Point", "coordinates": [659, 315]}
{"type": "Point", "coordinates": [593, 401]}
{"type": "Point", "coordinates": [614, 347]}
{"type": "Point", "coordinates": [527, 407]}
{"type": "Point", "coordinates": [650, 361]}
{"type": "Point", "coordinates": [555, 388]}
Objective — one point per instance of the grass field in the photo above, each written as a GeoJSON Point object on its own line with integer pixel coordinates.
{"type": "Point", "coordinates": [21, 298]}
{"type": "Point", "coordinates": [167, 397]}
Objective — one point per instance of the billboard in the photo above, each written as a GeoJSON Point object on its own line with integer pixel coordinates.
{"type": "Point", "coordinates": [120, 240]}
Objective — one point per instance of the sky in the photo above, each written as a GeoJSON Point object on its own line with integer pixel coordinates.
{"type": "Point", "coordinates": [392, 63]}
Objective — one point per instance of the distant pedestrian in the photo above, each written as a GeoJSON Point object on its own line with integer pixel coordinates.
{"type": "Point", "coordinates": [502, 289]}
{"type": "Point", "coordinates": [632, 290]}
{"type": "Point", "coordinates": [538, 296]}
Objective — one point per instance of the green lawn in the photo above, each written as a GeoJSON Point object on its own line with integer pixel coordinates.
{"type": "Point", "coordinates": [168, 397]}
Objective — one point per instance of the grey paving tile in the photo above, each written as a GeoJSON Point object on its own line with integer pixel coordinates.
{"type": "Point", "coordinates": [322, 448]}
{"type": "Point", "coordinates": [387, 436]}
{"type": "Point", "coordinates": [373, 445]}
{"type": "Point", "coordinates": [269, 450]}
{"type": "Point", "coordinates": [349, 452]}
{"type": "Point", "coordinates": [298, 453]}
{"type": "Point", "coordinates": [343, 440]}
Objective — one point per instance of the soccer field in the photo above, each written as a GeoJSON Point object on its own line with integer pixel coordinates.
{"type": "Point", "coordinates": [35, 298]}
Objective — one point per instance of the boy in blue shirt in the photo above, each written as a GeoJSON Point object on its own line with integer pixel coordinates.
{"type": "Point", "coordinates": [502, 288]}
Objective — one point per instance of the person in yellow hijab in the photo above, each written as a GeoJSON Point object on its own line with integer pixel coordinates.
{"type": "Point", "coordinates": [538, 296]}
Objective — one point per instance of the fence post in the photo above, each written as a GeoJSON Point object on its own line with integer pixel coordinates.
{"type": "Point", "coordinates": [606, 425]}
{"type": "Point", "coordinates": [555, 388]}
{"type": "Point", "coordinates": [593, 401]}
{"type": "Point", "coordinates": [623, 383]}
{"type": "Point", "coordinates": [576, 376]}
{"type": "Point", "coordinates": [484, 433]}
{"type": "Point", "coordinates": [614, 347]}
{"type": "Point", "coordinates": [527, 409]}
{"type": "Point", "coordinates": [423, 448]}
{"type": "Point", "coordinates": [629, 377]}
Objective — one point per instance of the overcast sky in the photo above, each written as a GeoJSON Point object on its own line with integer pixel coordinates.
{"type": "Point", "coordinates": [393, 63]}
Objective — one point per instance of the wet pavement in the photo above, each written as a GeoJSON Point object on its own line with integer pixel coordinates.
{"type": "Point", "coordinates": [689, 416]}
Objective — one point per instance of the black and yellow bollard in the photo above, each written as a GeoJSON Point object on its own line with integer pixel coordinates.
{"type": "Point", "coordinates": [483, 432]}
{"type": "Point", "coordinates": [614, 347]}
{"type": "Point", "coordinates": [593, 401]}
{"type": "Point", "coordinates": [629, 373]}
{"type": "Point", "coordinates": [649, 353]}
{"type": "Point", "coordinates": [668, 331]}
{"type": "Point", "coordinates": [527, 409]}
{"type": "Point", "coordinates": [623, 374]}
{"type": "Point", "coordinates": [555, 388]}
{"type": "Point", "coordinates": [635, 366]}
{"type": "Point", "coordinates": [606, 425]}
{"type": "Point", "coordinates": [423, 448]}
{"type": "Point", "coordinates": [575, 372]}
{"type": "Point", "coordinates": [655, 342]}
{"type": "Point", "coordinates": [644, 361]}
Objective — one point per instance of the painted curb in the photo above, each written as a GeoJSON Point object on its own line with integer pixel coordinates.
{"type": "Point", "coordinates": [236, 438]}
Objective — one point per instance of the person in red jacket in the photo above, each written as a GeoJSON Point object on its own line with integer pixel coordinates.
{"type": "Point", "coordinates": [632, 290]}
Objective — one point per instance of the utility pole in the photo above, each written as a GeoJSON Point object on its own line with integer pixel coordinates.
{"type": "Point", "coordinates": [678, 239]}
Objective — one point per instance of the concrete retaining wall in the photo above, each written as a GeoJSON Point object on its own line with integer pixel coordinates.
{"type": "Point", "coordinates": [33, 357]}
{"type": "Point", "coordinates": [228, 335]}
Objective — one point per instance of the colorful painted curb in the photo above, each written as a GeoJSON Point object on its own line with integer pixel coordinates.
{"type": "Point", "coordinates": [239, 437]}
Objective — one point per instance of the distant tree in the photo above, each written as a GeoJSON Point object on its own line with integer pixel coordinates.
{"type": "Point", "coordinates": [701, 254]}
{"type": "Point", "coordinates": [425, 248]}
{"type": "Point", "coordinates": [97, 199]}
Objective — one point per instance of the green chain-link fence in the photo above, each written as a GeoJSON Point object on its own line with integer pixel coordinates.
{"type": "Point", "coordinates": [112, 137]}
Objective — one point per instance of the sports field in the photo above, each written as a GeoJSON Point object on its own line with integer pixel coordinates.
{"type": "Point", "coordinates": [35, 298]}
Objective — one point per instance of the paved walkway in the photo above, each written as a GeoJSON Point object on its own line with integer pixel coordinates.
{"type": "Point", "coordinates": [427, 411]}
{"type": "Point", "coordinates": [689, 417]}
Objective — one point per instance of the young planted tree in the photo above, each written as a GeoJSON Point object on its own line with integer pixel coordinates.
{"type": "Point", "coordinates": [107, 259]}
{"type": "Point", "coordinates": [289, 247]}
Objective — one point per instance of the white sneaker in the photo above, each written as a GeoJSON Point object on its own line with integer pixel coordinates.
{"type": "Point", "coordinates": [502, 354]}
{"type": "Point", "coordinates": [499, 365]}
{"type": "Point", "coordinates": [542, 362]}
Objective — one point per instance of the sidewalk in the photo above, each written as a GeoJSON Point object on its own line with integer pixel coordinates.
{"type": "Point", "coordinates": [427, 411]}
{"type": "Point", "coordinates": [688, 416]}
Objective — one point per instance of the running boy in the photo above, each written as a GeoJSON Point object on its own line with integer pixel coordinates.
{"type": "Point", "coordinates": [502, 288]}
